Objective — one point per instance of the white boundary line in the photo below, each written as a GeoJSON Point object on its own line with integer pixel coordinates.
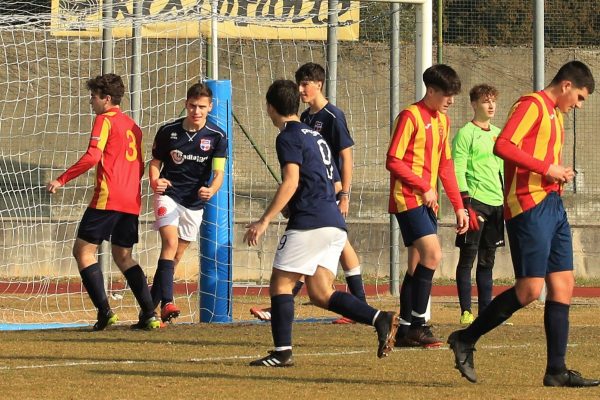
{"type": "Point", "coordinates": [247, 357]}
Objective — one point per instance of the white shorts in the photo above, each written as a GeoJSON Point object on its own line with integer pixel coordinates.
{"type": "Point", "coordinates": [168, 213]}
{"type": "Point", "coordinates": [302, 251]}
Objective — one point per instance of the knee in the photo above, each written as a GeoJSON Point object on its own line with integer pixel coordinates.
{"type": "Point", "coordinates": [319, 299]}
{"type": "Point", "coordinates": [526, 295]}
{"type": "Point", "coordinates": [432, 258]}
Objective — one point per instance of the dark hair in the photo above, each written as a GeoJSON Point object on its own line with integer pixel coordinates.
{"type": "Point", "coordinates": [578, 73]}
{"type": "Point", "coordinates": [107, 85]}
{"type": "Point", "coordinates": [284, 97]}
{"type": "Point", "coordinates": [442, 77]}
{"type": "Point", "coordinates": [483, 91]}
{"type": "Point", "coordinates": [199, 90]}
{"type": "Point", "coordinates": [310, 72]}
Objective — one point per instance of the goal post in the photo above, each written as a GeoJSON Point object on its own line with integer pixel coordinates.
{"type": "Point", "coordinates": [216, 232]}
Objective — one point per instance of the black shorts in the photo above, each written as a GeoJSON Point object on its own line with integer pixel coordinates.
{"type": "Point", "coordinates": [118, 227]}
{"type": "Point", "coordinates": [491, 230]}
{"type": "Point", "coordinates": [416, 223]}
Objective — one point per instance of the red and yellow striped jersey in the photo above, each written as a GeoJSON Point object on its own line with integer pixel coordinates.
{"type": "Point", "coordinates": [419, 148]}
{"type": "Point", "coordinates": [115, 148]}
{"type": "Point", "coordinates": [536, 128]}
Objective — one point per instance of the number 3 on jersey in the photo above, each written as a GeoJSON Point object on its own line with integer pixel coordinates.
{"type": "Point", "coordinates": [131, 152]}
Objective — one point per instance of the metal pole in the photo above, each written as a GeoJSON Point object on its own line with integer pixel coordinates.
{"type": "Point", "coordinates": [538, 45]}
{"type": "Point", "coordinates": [538, 65]}
{"type": "Point", "coordinates": [394, 111]}
{"type": "Point", "coordinates": [424, 43]}
{"type": "Point", "coordinates": [136, 63]}
{"type": "Point", "coordinates": [332, 50]}
{"type": "Point", "coordinates": [107, 67]}
{"type": "Point", "coordinates": [214, 55]}
{"type": "Point", "coordinates": [107, 37]}
{"type": "Point", "coordinates": [440, 27]}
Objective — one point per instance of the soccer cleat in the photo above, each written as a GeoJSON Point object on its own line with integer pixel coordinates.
{"type": "Point", "coordinates": [463, 356]}
{"type": "Point", "coordinates": [424, 337]}
{"type": "Point", "coordinates": [467, 318]}
{"type": "Point", "coordinates": [343, 321]}
{"type": "Point", "coordinates": [569, 378]}
{"type": "Point", "coordinates": [148, 324]}
{"type": "Point", "coordinates": [264, 314]}
{"type": "Point", "coordinates": [275, 359]}
{"type": "Point", "coordinates": [386, 325]}
{"type": "Point", "coordinates": [105, 319]}
{"type": "Point", "coordinates": [403, 341]}
{"type": "Point", "coordinates": [169, 312]}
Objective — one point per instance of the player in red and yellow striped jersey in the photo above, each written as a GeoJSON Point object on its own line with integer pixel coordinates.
{"type": "Point", "coordinates": [115, 150]}
{"type": "Point", "coordinates": [419, 153]}
{"type": "Point", "coordinates": [536, 222]}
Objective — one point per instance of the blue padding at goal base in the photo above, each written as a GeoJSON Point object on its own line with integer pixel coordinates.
{"type": "Point", "coordinates": [216, 243]}
{"type": "Point", "coordinates": [38, 326]}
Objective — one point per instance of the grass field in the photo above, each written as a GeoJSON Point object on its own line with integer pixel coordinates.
{"type": "Point", "coordinates": [332, 361]}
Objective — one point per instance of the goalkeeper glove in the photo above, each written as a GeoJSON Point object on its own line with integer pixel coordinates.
{"type": "Point", "coordinates": [471, 213]}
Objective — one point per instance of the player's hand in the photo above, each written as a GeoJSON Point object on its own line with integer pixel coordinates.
{"type": "Point", "coordinates": [52, 186]}
{"type": "Point", "coordinates": [462, 222]}
{"type": "Point", "coordinates": [160, 185]}
{"type": "Point", "coordinates": [344, 205]}
{"type": "Point", "coordinates": [430, 199]}
{"type": "Point", "coordinates": [205, 193]}
{"type": "Point", "coordinates": [472, 215]}
{"type": "Point", "coordinates": [254, 231]}
{"type": "Point", "coordinates": [560, 174]}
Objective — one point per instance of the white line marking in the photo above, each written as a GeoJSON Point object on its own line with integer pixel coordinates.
{"type": "Point", "coordinates": [247, 357]}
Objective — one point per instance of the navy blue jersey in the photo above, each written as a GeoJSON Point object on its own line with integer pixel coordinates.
{"type": "Point", "coordinates": [187, 159]}
{"type": "Point", "coordinates": [313, 205]}
{"type": "Point", "coordinates": [330, 122]}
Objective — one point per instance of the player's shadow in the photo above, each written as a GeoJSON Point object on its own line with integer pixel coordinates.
{"type": "Point", "coordinates": [269, 378]}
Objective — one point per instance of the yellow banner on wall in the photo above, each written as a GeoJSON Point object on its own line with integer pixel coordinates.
{"type": "Point", "coordinates": [257, 19]}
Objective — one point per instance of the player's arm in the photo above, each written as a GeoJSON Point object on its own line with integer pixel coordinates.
{"type": "Point", "coordinates": [346, 176]}
{"type": "Point", "coordinates": [92, 156]}
{"type": "Point", "coordinates": [218, 170]}
{"type": "Point", "coordinates": [158, 184]}
{"type": "Point", "coordinates": [524, 116]}
{"type": "Point", "coordinates": [285, 191]}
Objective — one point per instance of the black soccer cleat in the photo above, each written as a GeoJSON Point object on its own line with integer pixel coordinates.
{"type": "Point", "coordinates": [569, 378]}
{"type": "Point", "coordinates": [423, 336]}
{"type": "Point", "coordinates": [386, 325]}
{"type": "Point", "coordinates": [275, 359]}
{"type": "Point", "coordinates": [105, 319]}
{"type": "Point", "coordinates": [463, 356]}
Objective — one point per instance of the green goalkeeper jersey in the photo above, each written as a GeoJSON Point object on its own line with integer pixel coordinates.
{"type": "Point", "coordinates": [478, 170]}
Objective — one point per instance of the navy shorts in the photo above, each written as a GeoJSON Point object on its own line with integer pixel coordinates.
{"type": "Point", "coordinates": [118, 227]}
{"type": "Point", "coordinates": [491, 229]}
{"type": "Point", "coordinates": [416, 223]}
{"type": "Point", "coordinates": [540, 239]}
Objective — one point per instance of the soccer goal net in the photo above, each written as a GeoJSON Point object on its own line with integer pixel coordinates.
{"type": "Point", "coordinates": [48, 50]}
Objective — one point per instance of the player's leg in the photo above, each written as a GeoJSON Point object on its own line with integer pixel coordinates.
{"type": "Point", "coordinates": [166, 222]}
{"type": "Point", "coordinates": [406, 300]}
{"type": "Point", "coordinates": [352, 272]}
{"type": "Point", "coordinates": [492, 236]}
{"type": "Point", "coordinates": [484, 277]}
{"type": "Point", "coordinates": [530, 237]}
{"type": "Point", "coordinates": [466, 258]}
{"type": "Point", "coordinates": [326, 245]}
{"type": "Point", "coordinates": [124, 236]}
{"type": "Point", "coordinates": [430, 254]}
{"type": "Point", "coordinates": [560, 282]}
{"type": "Point", "coordinates": [95, 226]}
{"type": "Point", "coordinates": [282, 317]}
